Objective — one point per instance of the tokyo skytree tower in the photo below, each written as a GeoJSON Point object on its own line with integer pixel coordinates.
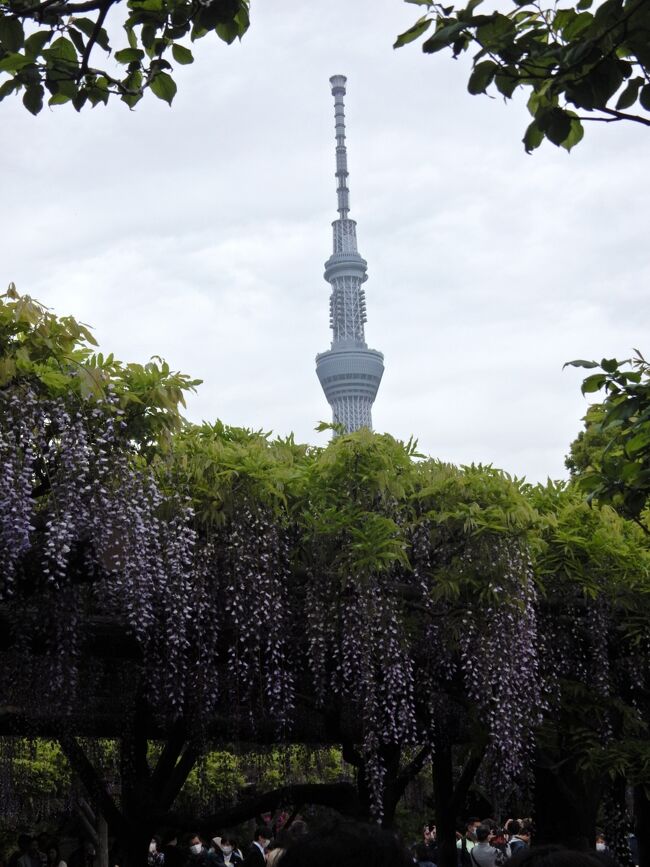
{"type": "Point", "coordinates": [349, 372]}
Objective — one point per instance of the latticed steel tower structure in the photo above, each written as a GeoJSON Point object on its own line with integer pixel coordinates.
{"type": "Point", "coordinates": [349, 372]}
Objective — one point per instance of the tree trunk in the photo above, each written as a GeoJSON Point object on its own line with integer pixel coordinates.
{"type": "Point", "coordinates": [642, 824]}
{"type": "Point", "coordinates": [566, 808]}
{"type": "Point", "coordinates": [443, 793]}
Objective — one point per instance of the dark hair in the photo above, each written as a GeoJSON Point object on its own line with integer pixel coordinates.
{"type": "Point", "coordinates": [514, 826]}
{"type": "Point", "coordinates": [156, 839]}
{"type": "Point", "coordinates": [554, 856]}
{"type": "Point", "coordinates": [348, 844]}
{"type": "Point", "coordinates": [482, 833]}
{"type": "Point", "coordinates": [228, 838]}
{"type": "Point", "coordinates": [263, 831]}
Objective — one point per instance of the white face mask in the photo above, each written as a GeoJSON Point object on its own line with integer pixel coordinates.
{"type": "Point", "coordinates": [601, 847]}
{"type": "Point", "coordinates": [226, 850]}
{"type": "Point", "coordinates": [196, 849]}
{"type": "Point", "coordinates": [152, 847]}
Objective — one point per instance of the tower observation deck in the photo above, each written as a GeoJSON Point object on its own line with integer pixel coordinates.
{"type": "Point", "coordinates": [349, 372]}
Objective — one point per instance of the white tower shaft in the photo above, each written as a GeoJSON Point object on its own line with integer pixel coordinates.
{"type": "Point", "coordinates": [349, 372]}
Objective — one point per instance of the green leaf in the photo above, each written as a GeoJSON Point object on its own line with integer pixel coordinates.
{"type": "Point", "coordinates": [62, 49]}
{"type": "Point", "coordinates": [79, 99]}
{"type": "Point", "coordinates": [87, 27]}
{"type": "Point", "coordinates": [576, 134]}
{"type": "Point", "coordinates": [58, 99]}
{"type": "Point", "coordinates": [584, 4]}
{"type": "Point", "coordinates": [8, 87]}
{"type": "Point", "coordinates": [580, 362]}
{"type": "Point", "coordinates": [506, 84]}
{"type": "Point", "coordinates": [593, 383]}
{"type": "Point", "coordinates": [630, 94]}
{"type": "Point", "coordinates": [644, 97]}
{"type": "Point", "coordinates": [13, 62]}
{"type": "Point", "coordinates": [77, 39]}
{"type": "Point", "coordinates": [533, 137]}
{"type": "Point", "coordinates": [130, 35]}
{"type": "Point", "coordinates": [556, 124]}
{"type": "Point", "coordinates": [577, 25]}
{"type": "Point", "coordinates": [181, 54]}
{"type": "Point", "coordinates": [482, 76]}
{"type": "Point", "coordinates": [12, 36]}
{"type": "Point", "coordinates": [129, 55]}
{"type": "Point", "coordinates": [413, 33]}
{"type": "Point", "coordinates": [443, 37]}
{"type": "Point", "coordinates": [35, 43]}
{"type": "Point", "coordinates": [164, 87]}
{"type": "Point", "coordinates": [33, 98]}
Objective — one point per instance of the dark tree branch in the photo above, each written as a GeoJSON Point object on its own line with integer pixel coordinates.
{"type": "Point", "coordinates": [616, 116]}
{"type": "Point", "coordinates": [82, 766]}
{"type": "Point", "coordinates": [92, 39]}
{"type": "Point", "coordinates": [413, 768]}
{"type": "Point", "coordinates": [466, 778]}
{"type": "Point", "coordinates": [338, 796]}
{"type": "Point", "coordinates": [169, 756]}
{"type": "Point", "coordinates": [177, 777]}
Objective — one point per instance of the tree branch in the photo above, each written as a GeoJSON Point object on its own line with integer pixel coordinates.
{"type": "Point", "coordinates": [95, 787]}
{"type": "Point", "coordinates": [338, 796]}
{"type": "Point", "coordinates": [92, 39]}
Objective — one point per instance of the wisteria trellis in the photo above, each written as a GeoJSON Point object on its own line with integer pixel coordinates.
{"type": "Point", "coordinates": [242, 618]}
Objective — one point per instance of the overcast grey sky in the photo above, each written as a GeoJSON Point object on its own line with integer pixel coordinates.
{"type": "Point", "coordinates": [199, 233]}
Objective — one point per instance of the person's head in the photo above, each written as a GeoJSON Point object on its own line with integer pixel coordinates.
{"type": "Point", "coordinates": [483, 833]}
{"type": "Point", "coordinates": [155, 844]}
{"type": "Point", "coordinates": [32, 848]}
{"type": "Point", "coordinates": [194, 844]}
{"type": "Point", "coordinates": [227, 844]}
{"type": "Point", "coordinates": [470, 827]}
{"type": "Point", "coordinates": [348, 844]}
{"type": "Point", "coordinates": [53, 854]}
{"type": "Point", "coordinates": [514, 827]}
{"type": "Point", "coordinates": [263, 835]}
{"type": "Point", "coordinates": [429, 832]}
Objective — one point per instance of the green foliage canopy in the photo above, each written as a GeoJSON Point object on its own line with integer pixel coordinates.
{"type": "Point", "coordinates": [613, 454]}
{"type": "Point", "coordinates": [58, 354]}
{"type": "Point", "coordinates": [50, 47]}
{"type": "Point", "coordinates": [578, 62]}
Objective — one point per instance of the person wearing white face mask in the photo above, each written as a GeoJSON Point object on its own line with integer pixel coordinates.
{"type": "Point", "coordinates": [199, 855]}
{"type": "Point", "coordinates": [256, 855]}
{"type": "Point", "coordinates": [226, 851]}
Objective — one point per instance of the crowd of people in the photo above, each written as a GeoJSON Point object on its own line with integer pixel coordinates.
{"type": "Point", "coordinates": [481, 843]}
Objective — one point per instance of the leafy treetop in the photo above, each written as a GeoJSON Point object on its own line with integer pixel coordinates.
{"type": "Point", "coordinates": [612, 456]}
{"type": "Point", "coordinates": [58, 355]}
{"type": "Point", "coordinates": [52, 45]}
{"type": "Point", "coordinates": [578, 62]}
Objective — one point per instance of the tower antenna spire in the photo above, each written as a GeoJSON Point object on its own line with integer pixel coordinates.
{"type": "Point", "coordinates": [349, 372]}
{"type": "Point", "coordinates": [342, 192]}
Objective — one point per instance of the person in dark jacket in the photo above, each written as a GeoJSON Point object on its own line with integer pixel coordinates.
{"type": "Point", "coordinates": [256, 855]}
